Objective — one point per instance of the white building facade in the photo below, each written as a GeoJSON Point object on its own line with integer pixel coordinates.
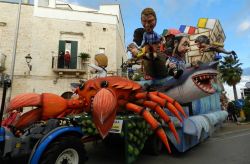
{"type": "Point", "coordinates": [50, 26]}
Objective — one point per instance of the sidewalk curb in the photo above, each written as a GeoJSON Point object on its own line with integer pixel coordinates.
{"type": "Point", "coordinates": [243, 123]}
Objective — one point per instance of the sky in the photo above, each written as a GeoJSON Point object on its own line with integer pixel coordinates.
{"type": "Point", "coordinates": [234, 16]}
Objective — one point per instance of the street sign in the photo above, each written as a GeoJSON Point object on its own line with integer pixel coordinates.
{"type": "Point", "coordinates": [239, 103]}
{"type": "Point", "coordinates": [246, 92]}
{"type": "Point", "coordinates": [248, 84]}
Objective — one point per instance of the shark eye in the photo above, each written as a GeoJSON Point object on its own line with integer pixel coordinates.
{"type": "Point", "coordinates": [104, 84]}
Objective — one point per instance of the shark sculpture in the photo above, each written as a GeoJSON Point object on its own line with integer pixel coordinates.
{"type": "Point", "coordinates": [195, 83]}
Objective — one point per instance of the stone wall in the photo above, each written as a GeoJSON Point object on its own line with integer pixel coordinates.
{"type": "Point", "coordinates": [39, 36]}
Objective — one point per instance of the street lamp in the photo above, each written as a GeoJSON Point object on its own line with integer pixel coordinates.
{"type": "Point", "coordinates": [28, 60]}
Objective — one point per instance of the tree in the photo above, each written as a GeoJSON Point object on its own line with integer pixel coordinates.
{"type": "Point", "coordinates": [231, 72]}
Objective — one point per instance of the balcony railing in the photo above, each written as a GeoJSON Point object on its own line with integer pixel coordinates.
{"type": "Point", "coordinates": [80, 67]}
{"type": "Point", "coordinates": [75, 66]}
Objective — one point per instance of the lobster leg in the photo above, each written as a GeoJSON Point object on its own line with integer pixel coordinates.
{"type": "Point", "coordinates": [161, 101]}
{"type": "Point", "coordinates": [174, 102]}
{"type": "Point", "coordinates": [154, 106]}
{"type": "Point", "coordinates": [155, 125]}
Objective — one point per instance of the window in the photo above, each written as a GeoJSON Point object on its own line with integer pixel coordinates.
{"type": "Point", "coordinates": [71, 47]}
{"type": "Point", "coordinates": [102, 50]}
{"type": "Point", "coordinates": [44, 3]}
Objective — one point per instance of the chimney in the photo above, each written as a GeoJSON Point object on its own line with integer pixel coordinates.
{"type": "Point", "coordinates": [52, 3]}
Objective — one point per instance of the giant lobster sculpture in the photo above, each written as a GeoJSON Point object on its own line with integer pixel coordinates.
{"type": "Point", "coordinates": [104, 98]}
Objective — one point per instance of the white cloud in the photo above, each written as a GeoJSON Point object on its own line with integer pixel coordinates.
{"type": "Point", "coordinates": [244, 26]}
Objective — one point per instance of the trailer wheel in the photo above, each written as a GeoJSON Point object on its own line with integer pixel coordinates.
{"type": "Point", "coordinates": [66, 149]}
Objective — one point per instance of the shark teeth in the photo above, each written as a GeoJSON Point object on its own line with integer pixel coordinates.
{"type": "Point", "coordinates": [203, 81]}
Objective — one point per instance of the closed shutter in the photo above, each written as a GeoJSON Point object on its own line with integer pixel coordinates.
{"type": "Point", "coordinates": [60, 61]}
{"type": "Point", "coordinates": [73, 62]}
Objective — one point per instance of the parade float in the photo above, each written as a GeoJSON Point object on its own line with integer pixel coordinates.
{"type": "Point", "coordinates": [175, 113]}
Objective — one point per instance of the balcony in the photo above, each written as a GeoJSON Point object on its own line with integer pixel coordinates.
{"type": "Point", "coordinates": [2, 62]}
{"type": "Point", "coordinates": [76, 67]}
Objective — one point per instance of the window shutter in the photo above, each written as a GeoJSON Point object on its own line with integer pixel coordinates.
{"type": "Point", "coordinates": [73, 62]}
{"type": "Point", "coordinates": [60, 60]}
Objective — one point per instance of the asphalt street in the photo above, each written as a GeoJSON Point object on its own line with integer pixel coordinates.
{"type": "Point", "coordinates": [229, 145]}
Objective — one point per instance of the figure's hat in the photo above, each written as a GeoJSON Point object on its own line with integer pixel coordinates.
{"type": "Point", "coordinates": [170, 31]}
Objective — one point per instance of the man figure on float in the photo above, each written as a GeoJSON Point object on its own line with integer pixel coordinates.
{"type": "Point", "coordinates": [168, 40]}
{"type": "Point", "coordinates": [176, 64]}
{"type": "Point", "coordinates": [205, 45]}
{"type": "Point", "coordinates": [150, 38]}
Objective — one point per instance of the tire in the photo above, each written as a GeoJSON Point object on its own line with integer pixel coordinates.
{"type": "Point", "coordinates": [66, 149]}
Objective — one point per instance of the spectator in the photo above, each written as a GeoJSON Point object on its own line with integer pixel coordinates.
{"type": "Point", "coordinates": [232, 112]}
{"type": "Point", "coordinates": [67, 58]}
{"type": "Point", "coordinates": [61, 60]}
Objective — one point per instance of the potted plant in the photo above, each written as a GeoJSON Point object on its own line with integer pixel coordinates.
{"type": "Point", "coordinates": [84, 56]}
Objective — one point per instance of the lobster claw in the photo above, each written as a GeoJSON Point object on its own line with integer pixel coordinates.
{"type": "Point", "coordinates": [49, 106]}
{"type": "Point", "coordinates": [24, 100]}
{"type": "Point", "coordinates": [104, 111]}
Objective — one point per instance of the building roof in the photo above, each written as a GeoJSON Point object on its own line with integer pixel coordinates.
{"type": "Point", "coordinates": [74, 6]}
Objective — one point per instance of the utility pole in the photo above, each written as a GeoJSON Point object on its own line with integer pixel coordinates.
{"type": "Point", "coordinates": [14, 48]}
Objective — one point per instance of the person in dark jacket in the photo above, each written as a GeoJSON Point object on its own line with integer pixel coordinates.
{"type": "Point", "coordinates": [231, 109]}
{"type": "Point", "coordinates": [61, 60]}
